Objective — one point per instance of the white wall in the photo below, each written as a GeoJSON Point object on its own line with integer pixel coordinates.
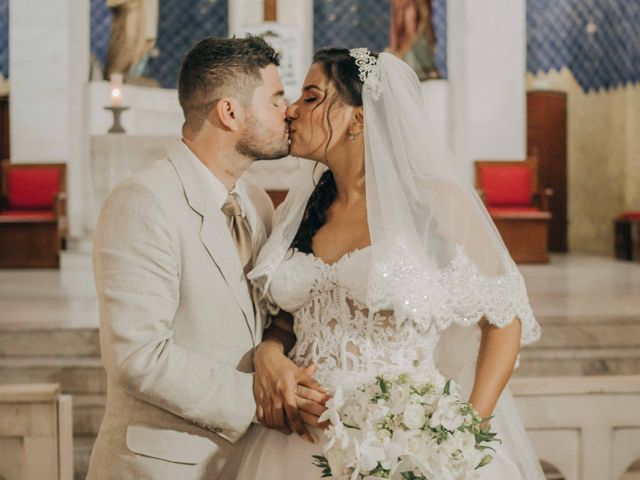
{"type": "Point", "coordinates": [153, 111]}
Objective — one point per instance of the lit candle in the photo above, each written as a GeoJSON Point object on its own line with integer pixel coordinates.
{"type": "Point", "coordinates": [116, 89]}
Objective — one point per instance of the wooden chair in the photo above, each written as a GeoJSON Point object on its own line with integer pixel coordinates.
{"type": "Point", "coordinates": [33, 223]}
{"type": "Point", "coordinates": [518, 207]}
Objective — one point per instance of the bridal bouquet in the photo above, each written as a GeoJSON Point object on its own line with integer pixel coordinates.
{"type": "Point", "coordinates": [400, 428]}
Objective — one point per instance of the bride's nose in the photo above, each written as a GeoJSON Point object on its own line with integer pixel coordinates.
{"type": "Point", "coordinates": [292, 112]}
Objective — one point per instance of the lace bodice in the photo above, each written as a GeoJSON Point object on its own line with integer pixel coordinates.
{"type": "Point", "coordinates": [349, 342]}
{"type": "Point", "coordinates": [334, 328]}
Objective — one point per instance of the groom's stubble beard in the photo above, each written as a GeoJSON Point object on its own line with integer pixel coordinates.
{"type": "Point", "coordinates": [260, 144]}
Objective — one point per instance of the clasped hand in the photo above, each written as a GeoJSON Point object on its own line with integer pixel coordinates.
{"type": "Point", "coordinates": [287, 396]}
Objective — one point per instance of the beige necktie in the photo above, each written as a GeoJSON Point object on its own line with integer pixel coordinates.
{"type": "Point", "coordinates": [240, 231]}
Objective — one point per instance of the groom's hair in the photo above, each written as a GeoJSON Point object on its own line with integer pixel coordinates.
{"type": "Point", "coordinates": [218, 67]}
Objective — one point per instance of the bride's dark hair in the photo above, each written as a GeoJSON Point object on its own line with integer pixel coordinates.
{"type": "Point", "coordinates": [340, 69]}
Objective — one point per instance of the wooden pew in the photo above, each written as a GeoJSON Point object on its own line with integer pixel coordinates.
{"type": "Point", "coordinates": [36, 437]}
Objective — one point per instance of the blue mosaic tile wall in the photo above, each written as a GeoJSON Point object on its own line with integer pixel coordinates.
{"type": "Point", "coordinates": [182, 23]}
{"type": "Point", "coordinates": [100, 29]}
{"type": "Point", "coordinates": [4, 37]}
{"type": "Point", "coordinates": [598, 40]}
{"type": "Point", "coordinates": [365, 23]}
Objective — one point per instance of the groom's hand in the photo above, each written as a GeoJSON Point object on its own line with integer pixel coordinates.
{"type": "Point", "coordinates": [275, 382]}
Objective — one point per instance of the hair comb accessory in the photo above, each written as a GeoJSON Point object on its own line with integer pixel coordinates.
{"type": "Point", "coordinates": [368, 70]}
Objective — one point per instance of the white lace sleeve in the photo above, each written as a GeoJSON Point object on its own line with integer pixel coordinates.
{"type": "Point", "coordinates": [459, 293]}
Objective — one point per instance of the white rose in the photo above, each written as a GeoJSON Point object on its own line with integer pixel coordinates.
{"type": "Point", "coordinates": [453, 444]}
{"type": "Point", "coordinates": [414, 416]}
{"type": "Point", "coordinates": [429, 402]}
{"type": "Point", "coordinates": [447, 414]}
{"type": "Point", "coordinates": [414, 445]}
{"type": "Point", "coordinates": [399, 397]}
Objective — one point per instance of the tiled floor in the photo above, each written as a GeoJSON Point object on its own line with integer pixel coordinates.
{"type": "Point", "coordinates": [50, 298]}
{"type": "Point", "coordinates": [578, 287]}
{"type": "Point", "coordinates": [574, 288]}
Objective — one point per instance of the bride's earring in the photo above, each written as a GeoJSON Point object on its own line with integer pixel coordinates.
{"type": "Point", "coordinates": [352, 137]}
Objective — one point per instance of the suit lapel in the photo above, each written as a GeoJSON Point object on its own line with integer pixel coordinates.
{"type": "Point", "coordinates": [214, 232]}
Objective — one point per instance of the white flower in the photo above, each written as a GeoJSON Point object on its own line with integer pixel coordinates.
{"type": "Point", "coordinates": [366, 431]}
{"type": "Point", "coordinates": [414, 416]}
{"type": "Point", "coordinates": [429, 403]}
{"type": "Point", "coordinates": [399, 397]}
{"type": "Point", "coordinates": [355, 412]}
{"type": "Point", "coordinates": [447, 414]}
{"type": "Point", "coordinates": [383, 435]}
{"type": "Point", "coordinates": [392, 451]}
{"type": "Point", "coordinates": [369, 452]}
{"type": "Point", "coordinates": [376, 414]}
{"type": "Point", "coordinates": [337, 461]}
{"type": "Point", "coordinates": [334, 404]}
{"type": "Point", "coordinates": [462, 442]}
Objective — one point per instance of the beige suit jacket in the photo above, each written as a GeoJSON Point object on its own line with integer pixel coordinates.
{"type": "Point", "coordinates": [177, 325]}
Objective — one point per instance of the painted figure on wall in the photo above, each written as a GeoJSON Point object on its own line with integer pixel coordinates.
{"type": "Point", "coordinates": [134, 30]}
{"type": "Point", "coordinates": [413, 37]}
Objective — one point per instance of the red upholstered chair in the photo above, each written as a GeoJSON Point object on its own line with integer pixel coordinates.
{"type": "Point", "coordinates": [32, 214]}
{"type": "Point", "coordinates": [519, 209]}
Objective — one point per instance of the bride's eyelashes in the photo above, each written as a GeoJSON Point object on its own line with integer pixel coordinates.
{"type": "Point", "coordinates": [310, 99]}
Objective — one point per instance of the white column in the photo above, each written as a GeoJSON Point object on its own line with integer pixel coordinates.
{"type": "Point", "coordinates": [300, 13]}
{"type": "Point", "coordinates": [458, 77]}
{"type": "Point", "coordinates": [49, 65]}
{"type": "Point", "coordinates": [243, 13]}
{"type": "Point", "coordinates": [295, 13]}
{"type": "Point", "coordinates": [487, 67]}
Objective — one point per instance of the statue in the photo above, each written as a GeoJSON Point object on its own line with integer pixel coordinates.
{"type": "Point", "coordinates": [134, 30]}
{"type": "Point", "coordinates": [412, 36]}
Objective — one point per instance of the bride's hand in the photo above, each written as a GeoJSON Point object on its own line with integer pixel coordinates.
{"type": "Point", "coordinates": [311, 403]}
{"type": "Point", "coordinates": [276, 382]}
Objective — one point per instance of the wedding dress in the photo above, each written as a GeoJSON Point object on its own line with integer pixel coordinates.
{"type": "Point", "coordinates": [413, 299]}
{"type": "Point", "coordinates": [350, 345]}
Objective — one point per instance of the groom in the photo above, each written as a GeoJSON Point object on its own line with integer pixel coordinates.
{"type": "Point", "coordinates": [172, 246]}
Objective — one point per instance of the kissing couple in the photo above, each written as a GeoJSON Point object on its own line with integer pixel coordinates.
{"type": "Point", "coordinates": [226, 328]}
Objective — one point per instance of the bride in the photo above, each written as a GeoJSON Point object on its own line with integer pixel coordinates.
{"type": "Point", "coordinates": [382, 258]}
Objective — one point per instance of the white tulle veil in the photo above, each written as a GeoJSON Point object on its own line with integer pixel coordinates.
{"type": "Point", "coordinates": [437, 257]}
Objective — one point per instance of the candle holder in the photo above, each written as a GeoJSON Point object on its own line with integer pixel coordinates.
{"type": "Point", "coordinates": [117, 126]}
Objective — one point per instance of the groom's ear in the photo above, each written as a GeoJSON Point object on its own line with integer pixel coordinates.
{"type": "Point", "coordinates": [229, 113]}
